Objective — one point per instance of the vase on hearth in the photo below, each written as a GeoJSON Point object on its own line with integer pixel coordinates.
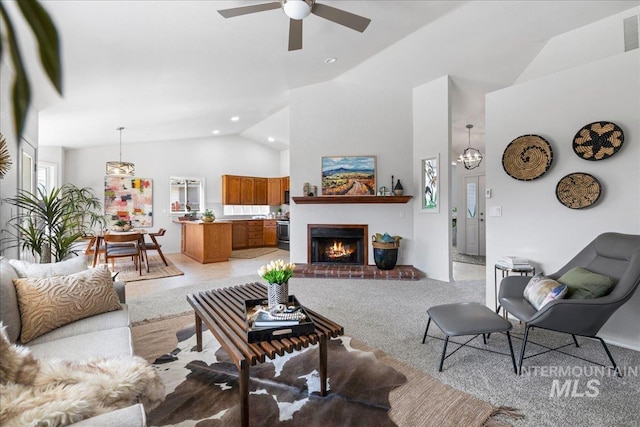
{"type": "Point", "coordinates": [277, 293]}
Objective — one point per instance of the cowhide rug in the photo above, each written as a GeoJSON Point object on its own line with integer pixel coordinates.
{"type": "Point", "coordinates": [202, 387]}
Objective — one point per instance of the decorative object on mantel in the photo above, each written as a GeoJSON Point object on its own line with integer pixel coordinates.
{"type": "Point", "coordinates": [305, 189]}
{"type": "Point", "coordinates": [578, 190]}
{"type": "Point", "coordinates": [471, 157]}
{"type": "Point", "coordinates": [398, 189]}
{"type": "Point", "coordinates": [598, 141]}
{"type": "Point", "coordinates": [350, 199]}
{"type": "Point", "coordinates": [120, 168]}
{"type": "Point", "coordinates": [527, 157]}
{"type": "Point", "coordinates": [277, 274]}
{"type": "Point", "coordinates": [5, 158]}
{"type": "Point", "coordinates": [208, 216]}
{"type": "Point", "coordinates": [385, 250]}
{"type": "Point", "coordinates": [349, 176]}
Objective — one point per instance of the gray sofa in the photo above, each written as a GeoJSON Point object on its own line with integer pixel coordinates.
{"type": "Point", "coordinates": [102, 335]}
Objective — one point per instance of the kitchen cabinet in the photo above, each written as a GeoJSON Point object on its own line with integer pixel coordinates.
{"type": "Point", "coordinates": [206, 242]}
{"type": "Point", "coordinates": [260, 191]}
{"type": "Point", "coordinates": [255, 232]}
{"type": "Point", "coordinates": [247, 190]}
{"type": "Point", "coordinates": [270, 232]}
{"type": "Point", "coordinates": [275, 192]}
{"type": "Point", "coordinates": [240, 235]}
{"type": "Point", "coordinates": [231, 189]}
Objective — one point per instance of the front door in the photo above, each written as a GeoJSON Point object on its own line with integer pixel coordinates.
{"type": "Point", "coordinates": [471, 215]}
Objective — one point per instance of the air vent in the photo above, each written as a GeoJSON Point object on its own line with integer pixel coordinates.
{"type": "Point", "coordinates": [631, 40]}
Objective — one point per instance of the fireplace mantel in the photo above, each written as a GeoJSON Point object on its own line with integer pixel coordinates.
{"type": "Point", "coordinates": [350, 199]}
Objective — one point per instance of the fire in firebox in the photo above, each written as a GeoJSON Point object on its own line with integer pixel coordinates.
{"type": "Point", "coordinates": [338, 251]}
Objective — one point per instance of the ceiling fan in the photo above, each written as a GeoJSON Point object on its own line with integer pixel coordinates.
{"type": "Point", "coordinates": [297, 10]}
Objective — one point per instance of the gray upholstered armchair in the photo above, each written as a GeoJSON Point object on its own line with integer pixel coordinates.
{"type": "Point", "coordinates": [611, 254]}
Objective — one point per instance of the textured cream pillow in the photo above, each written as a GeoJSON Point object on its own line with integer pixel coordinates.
{"type": "Point", "coordinates": [46, 304]}
{"type": "Point", "coordinates": [39, 271]}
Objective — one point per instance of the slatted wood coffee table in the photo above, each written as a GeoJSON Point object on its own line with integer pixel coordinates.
{"type": "Point", "coordinates": [223, 311]}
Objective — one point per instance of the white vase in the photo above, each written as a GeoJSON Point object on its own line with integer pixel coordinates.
{"type": "Point", "coordinates": [277, 293]}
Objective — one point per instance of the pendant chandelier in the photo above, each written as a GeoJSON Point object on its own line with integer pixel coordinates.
{"type": "Point", "coordinates": [471, 158]}
{"type": "Point", "coordinates": [120, 168]}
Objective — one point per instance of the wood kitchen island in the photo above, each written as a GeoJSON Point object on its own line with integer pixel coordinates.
{"type": "Point", "coordinates": [206, 242]}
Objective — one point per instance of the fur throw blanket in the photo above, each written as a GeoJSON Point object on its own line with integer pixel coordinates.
{"type": "Point", "coordinates": [53, 392]}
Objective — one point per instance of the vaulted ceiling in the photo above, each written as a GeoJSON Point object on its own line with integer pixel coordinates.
{"type": "Point", "coordinates": [176, 70]}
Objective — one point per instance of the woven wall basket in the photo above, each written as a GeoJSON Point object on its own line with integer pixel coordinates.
{"type": "Point", "coordinates": [598, 140]}
{"type": "Point", "coordinates": [578, 190]}
{"type": "Point", "coordinates": [527, 157]}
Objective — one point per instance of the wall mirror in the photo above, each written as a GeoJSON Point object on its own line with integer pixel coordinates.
{"type": "Point", "coordinates": [186, 195]}
{"type": "Point", "coordinates": [430, 185]}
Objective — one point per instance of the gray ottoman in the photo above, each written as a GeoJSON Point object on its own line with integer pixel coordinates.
{"type": "Point", "coordinates": [467, 318]}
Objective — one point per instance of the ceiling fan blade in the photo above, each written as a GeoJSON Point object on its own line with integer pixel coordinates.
{"type": "Point", "coordinates": [244, 10]}
{"type": "Point", "coordinates": [342, 17]}
{"type": "Point", "coordinates": [295, 34]}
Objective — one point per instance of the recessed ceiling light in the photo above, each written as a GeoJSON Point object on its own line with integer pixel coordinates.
{"type": "Point", "coordinates": [271, 139]}
{"type": "Point", "coordinates": [330, 60]}
{"type": "Point", "coordinates": [235, 118]}
{"type": "Point", "coordinates": [215, 132]}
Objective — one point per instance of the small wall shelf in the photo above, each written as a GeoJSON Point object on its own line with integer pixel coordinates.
{"type": "Point", "coordinates": [350, 199]}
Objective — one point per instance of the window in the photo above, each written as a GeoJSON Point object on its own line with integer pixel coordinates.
{"type": "Point", "coordinates": [47, 176]}
{"type": "Point", "coordinates": [186, 195]}
{"type": "Point", "coordinates": [246, 210]}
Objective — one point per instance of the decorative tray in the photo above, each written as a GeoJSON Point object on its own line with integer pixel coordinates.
{"type": "Point", "coordinates": [276, 329]}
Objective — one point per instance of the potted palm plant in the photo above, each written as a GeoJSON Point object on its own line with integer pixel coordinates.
{"type": "Point", "coordinates": [50, 224]}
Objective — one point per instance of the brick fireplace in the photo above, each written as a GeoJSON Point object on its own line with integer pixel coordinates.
{"type": "Point", "coordinates": [337, 244]}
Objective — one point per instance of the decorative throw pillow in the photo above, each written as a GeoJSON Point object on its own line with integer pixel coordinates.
{"type": "Point", "coordinates": [541, 290]}
{"type": "Point", "coordinates": [39, 271]}
{"type": "Point", "coordinates": [585, 284]}
{"type": "Point", "coordinates": [46, 304]}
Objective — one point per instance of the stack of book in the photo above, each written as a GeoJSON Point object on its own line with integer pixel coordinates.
{"type": "Point", "coordinates": [262, 320]}
{"type": "Point", "coordinates": [513, 263]}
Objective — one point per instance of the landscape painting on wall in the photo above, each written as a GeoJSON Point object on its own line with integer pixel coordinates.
{"type": "Point", "coordinates": [349, 176]}
{"type": "Point", "coordinates": [129, 199]}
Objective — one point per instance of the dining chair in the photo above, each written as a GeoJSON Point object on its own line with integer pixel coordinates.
{"type": "Point", "coordinates": [154, 245]}
{"type": "Point", "coordinates": [114, 248]}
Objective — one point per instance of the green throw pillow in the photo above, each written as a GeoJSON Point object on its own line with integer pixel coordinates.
{"type": "Point", "coordinates": [585, 284]}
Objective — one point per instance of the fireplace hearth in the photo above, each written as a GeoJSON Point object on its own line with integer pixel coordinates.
{"type": "Point", "coordinates": [337, 244]}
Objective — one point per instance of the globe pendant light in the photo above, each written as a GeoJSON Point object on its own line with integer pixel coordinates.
{"type": "Point", "coordinates": [120, 168]}
{"type": "Point", "coordinates": [471, 158]}
{"type": "Point", "coordinates": [297, 9]}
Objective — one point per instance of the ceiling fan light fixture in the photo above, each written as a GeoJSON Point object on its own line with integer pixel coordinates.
{"type": "Point", "coordinates": [297, 9]}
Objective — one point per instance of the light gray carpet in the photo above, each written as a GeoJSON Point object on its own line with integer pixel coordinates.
{"type": "Point", "coordinates": [391, 315]}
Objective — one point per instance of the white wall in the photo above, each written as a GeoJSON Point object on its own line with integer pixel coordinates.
{"type": "Point", "coordinates": [9, 184]}
{"type": "Point", "coordinates": [586, 44]}
{"type": "Point", "coordinates": [432, 137]}
{"type": "Point", "coordinates": [209, 158]}
{"type": "Point", "coordinates": [533, 223]}
{"type": "Point", "coordinates": [341, 118]}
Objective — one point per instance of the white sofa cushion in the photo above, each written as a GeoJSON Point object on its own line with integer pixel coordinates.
{"type": "Point", "coordinates": [9, 312]}
{"type": "Point", "coordinates": [46, 304]}
{"type": "Point", "coordinates": [62, 268]}
{"type": "Point", "coordinates": [107, 343]}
